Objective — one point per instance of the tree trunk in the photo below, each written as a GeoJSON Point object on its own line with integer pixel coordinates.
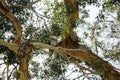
{"type": "Point", "coordinates": [103, 68]}
{"type": "Point", "coordinates": [23, 57]}
{"type": "Point", "coordinates": [23, 68]}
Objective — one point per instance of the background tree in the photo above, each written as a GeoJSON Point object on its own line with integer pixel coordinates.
{"type": "Point", "coordinates": [23, 28]}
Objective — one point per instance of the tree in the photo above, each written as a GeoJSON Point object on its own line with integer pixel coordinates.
{"type": "Point", "coordinates": [62, 18]}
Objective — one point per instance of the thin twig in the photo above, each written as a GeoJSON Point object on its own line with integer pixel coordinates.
{"type": "Point", "coordinates": [29, 5]}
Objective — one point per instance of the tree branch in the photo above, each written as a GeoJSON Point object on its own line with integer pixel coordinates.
{"type": "Point", "coordinates": [11, 47]}
{"type": "Point", "coordinates": [17, 24]}
{"type": "Point", "coordinates": [3, 5]}
{"type": "Point", "coordinates": [46, 46]}
{"type": "Point", "coordinates": [102, 67]}
{"type": "Point", "coordinates": [29, 5]}
{"type": "Point", "coordinates": [78, 65]}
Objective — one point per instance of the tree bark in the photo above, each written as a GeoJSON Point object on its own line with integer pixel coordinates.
{"type": "Point", "coordinates": [103, 68]}
{"type": "Point", "coordinates": [4, 9]}
{"type": "Point", "coordinates": [23, 68]}
{"type": "Point", "coordinates": [23, 56]}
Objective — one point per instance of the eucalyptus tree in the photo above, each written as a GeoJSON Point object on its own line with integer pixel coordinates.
{"type": "Point", "coordinates": [25, 33]}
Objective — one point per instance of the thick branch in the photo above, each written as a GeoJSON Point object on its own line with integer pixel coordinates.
{"type": "Point", "coordinates": [103, 68]}
{"type": "Point", "coordinates": [78, 65]}
{"type": "Point", "coordinates": [3, 4]}
{"type": "Point", "coordinates": [11, 47]}
{"type": "Point", "coordinates": [17, 24]}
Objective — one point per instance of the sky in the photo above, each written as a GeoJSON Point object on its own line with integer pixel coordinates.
{"type": "Point", "coordinates": [93, 11]}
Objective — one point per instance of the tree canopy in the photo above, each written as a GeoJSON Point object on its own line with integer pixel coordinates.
{"type": "Point", "coordinates": [56, 40]}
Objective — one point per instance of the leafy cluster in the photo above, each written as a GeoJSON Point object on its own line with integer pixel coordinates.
{"type": "Point", "coordinates": [55, 67]}
{"type": "Point", "coordinates": [99, 35]}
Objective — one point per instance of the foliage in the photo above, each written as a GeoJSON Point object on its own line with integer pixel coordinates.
{"type": "Point", "coordinates": [100, 34]}
{"type": "Point", "coordinates": [55, 67]}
